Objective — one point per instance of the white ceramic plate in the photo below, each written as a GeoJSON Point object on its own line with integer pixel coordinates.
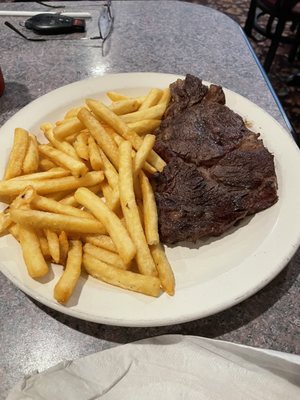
{"type": "Point", "coordinates": [210, 277]}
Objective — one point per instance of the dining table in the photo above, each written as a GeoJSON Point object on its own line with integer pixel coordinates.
{"type": "Point", "coordinates": [174, 37]}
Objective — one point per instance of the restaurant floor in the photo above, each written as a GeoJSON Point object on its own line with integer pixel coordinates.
{"type": "Point", "coordinates": [281, 69]}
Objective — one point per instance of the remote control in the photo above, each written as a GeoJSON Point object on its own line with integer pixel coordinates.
{"type": "Point", "coordinates": [54, 24]}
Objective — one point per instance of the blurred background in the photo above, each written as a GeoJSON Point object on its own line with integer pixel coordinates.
{"type": "Point", "coordinates": [283, 74]}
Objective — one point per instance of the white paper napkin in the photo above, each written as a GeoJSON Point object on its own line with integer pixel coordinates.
{"type": "Point", "coordinates": [169, 367]}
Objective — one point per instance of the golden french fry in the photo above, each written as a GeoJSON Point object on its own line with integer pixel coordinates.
{"type": "Point", "coordinates": [103, 241]}
{"type": "Point", "coordinates": [46, 164]}
{"type": "Point", "coordinates": [155, 112]}
{"type": "Point", "coordinates": [130, 211]}
{"type": "Point", "coordinates": [105, 114]}
{"type": "Point", "coordinates": [17, 154]}
{"type": "Point", "coordinates": [63, 246]}
{"type": "Point", "coordinates": [72, 113]}
{"type": "Point", "coordinates": [14, 231]}
{"type": "Point", "coordinates": [104, 255]}
{"type": "Point", "coordinates": [147, 167]}
{"type": "Point", "coordinates": [151, 99]}
{"type": "Point", "coordinates": [56, 172]}
{"type": "Point", "coordinates": [14, 187]}
{"type": "Point", "coordinates": [50, 205]}
{"type": "Point", "coordinates": [144, 126]}
{"type": "Point", "coordinates": [44, 247]}
{"type": "Point", "coordinates": [149, 211]}
{"type": "Point", "coordinates": [164, 269]}
{"type": "Point", "coordinates": [53, 244]}
{"type": "Point", "coordinates": [69, 200]}
{"type": "Point", "coordinates": [65, 147]}
{"type": "Point", "coordinates": [125, 106]}
{"type": "Point", "coordinates": [57, 222]}
{"type": "Point", "coordinates": [31, 160]}
{"type": "Point", "coordinates": [143, 152]}
{"type": "Point", "coordinates": [109, 219]}
{"type": "Point", "coordinates": [115, 96]}
{"type": "Point", "coordinates": [81, 146]}
{"type": "Point", "coordinates": [77, 168]}
{"type": "Point", "coordinates": [94, 155]}
{"type": "Point", "coordinates": [165, 98]}
{"type": "Point", "coordinates": [110, 172]}
{"type": "Point", "coordinates": [32, 254]}
{"type": "Point", "coordinates": [103, 139]}
{"type": "Point", "coordinates": [148, 285]}
{"type": "Point", "coordinates": [5, 222]}
{"type": "Point", "coordinates": [68, 128]}
{"type": "Point", "coordinates": [112, 196]}
{"type": "Point", "coordinates": [67, 282]}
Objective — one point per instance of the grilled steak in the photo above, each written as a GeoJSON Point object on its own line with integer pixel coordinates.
{"type": "Point", "coordinates": [217, 172]}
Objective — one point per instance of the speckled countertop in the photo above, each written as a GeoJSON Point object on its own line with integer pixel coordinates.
{"type": "Point", "coordinates": [156, 36]}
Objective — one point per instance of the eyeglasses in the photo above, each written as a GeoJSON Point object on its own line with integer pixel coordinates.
{"type": "Point", "coordinates": [105, 26]}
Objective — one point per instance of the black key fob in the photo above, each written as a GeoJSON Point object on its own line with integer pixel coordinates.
{"type": "Point", "coordinates": [54, 24]}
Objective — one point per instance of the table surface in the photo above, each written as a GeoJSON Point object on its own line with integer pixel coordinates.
{"type": "Point", "coordinates": [169, 37]}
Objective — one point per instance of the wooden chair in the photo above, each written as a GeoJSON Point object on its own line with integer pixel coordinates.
{"type": "Point", "coordinates": [277, 13]}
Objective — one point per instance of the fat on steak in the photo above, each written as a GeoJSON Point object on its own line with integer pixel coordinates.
{"type": "Point", "coordinates": [217, 172]}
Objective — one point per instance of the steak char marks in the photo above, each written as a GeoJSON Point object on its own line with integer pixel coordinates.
{"type": "Point", "coordinates": [217, 172]}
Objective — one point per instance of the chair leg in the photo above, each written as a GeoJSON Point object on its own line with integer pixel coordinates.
{"type": "Point", "coordinates": [250, 18]}
{"type": "Point", "coordinates": [274, 44]}
{"type": "Point", "coordinates": [295, 45]}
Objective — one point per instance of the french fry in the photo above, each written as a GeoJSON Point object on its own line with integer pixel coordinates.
{"type": "Point", "coordinates": [149, 211]}
{"type": "Point", "coordinates": [103, 139]}
{"type": "Point", "coordinates": [155, 112]}
{"type": "Point", "coordinates": [110, 172]}
{"type": "Point", "coordinates": [81, 146]}
{"type": "Point", "coordinates": [94, 155]}
{"type": "Point", "coordinates": [65, 147]}
{"type": "Point", "coordinates": [115, 96]}
{"type": "Point", "coordinates": [130, 211]}
{"type": "Point", "coordinates": [15, 187]}
{"type": "Point", "coordinates": [22, 201]}
{"type": "Point", "coordinates": [56, 172]}
{"type": "Point", "coordinates": [50, 205]}
{"type": "Point", "coordinates": [17, 154]}
{"type": "Point", "coordinates": [125, 106]}
{"type": "Point", "coordinates": [112, 197]}
{"type": "Point", "coordinates": [144, 126]}
{"type": "Point", "coordinates": [148, 285]}
{"type": "Point", "coordinates": [105, 114]}
{"type": "Point", "coordinates": [14, 231]}
{"type": "Point", "coordinates": [53, 244]}
{"type": "Point", "coordinates": [70, 200]}
{"type": "Point", "coordinates": [46, 164]}
{"type": "Point", "coordinates": [151, 99]}
{"type": "Point", "coordinates": [103, 241]}
{"type": "Point", "coordinates": [57, 222]}
{"type": "Point", "coordinates": [31, 160]}
{"type": "Point", "coordinates": [67, 282]}
{"type": "Point", "coordinates": [44, 247]}
{"type": "Point", "coordinates": [143, 152]}
{"type": "Point", "coordinates": [109, 219]}
{"type": "Point", "coordinates": [72, 113]}
{"type": "Point", "coordinates": [165, 98]}
{"type": "Point", "coordinates": [63, 246]}
{"type": "Point", "coordinates": [77, 168]}
{"type": "Point", "coordinates": [104, 255]}
{"type": "Point", "coordinates": [32, 254]}
{"type": "Point", "coordinates": [67, 129]}
{"type": "Point", "coordinates": [164, 269]}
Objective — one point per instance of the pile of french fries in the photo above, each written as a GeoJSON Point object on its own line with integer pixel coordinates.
{"type": "Point", "coordinates": [84, 199]}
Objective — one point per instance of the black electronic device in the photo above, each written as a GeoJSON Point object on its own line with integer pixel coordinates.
{"type": "Point", "coordinates": [54, 24]}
